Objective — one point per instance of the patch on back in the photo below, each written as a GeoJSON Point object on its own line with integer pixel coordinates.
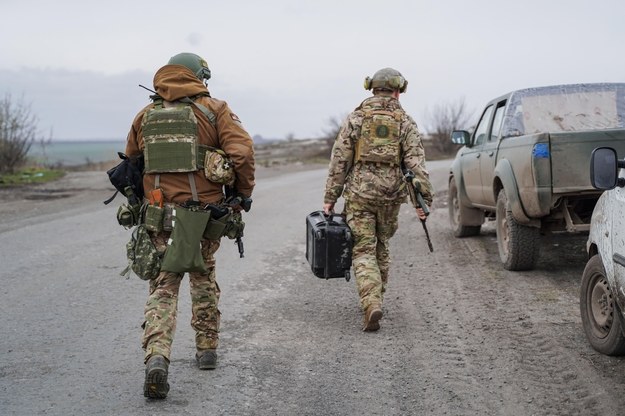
{"type": "Point", "coordinates": [382, 131]}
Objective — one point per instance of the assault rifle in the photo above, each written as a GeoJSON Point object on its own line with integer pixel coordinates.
{"type": "Point", "coordinates": [233, 198]}
{"type": "Point", "coordinates": [417, 201]}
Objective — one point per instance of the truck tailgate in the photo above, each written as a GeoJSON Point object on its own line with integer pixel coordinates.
{"type": "Point", "coordinates": [570, 156]}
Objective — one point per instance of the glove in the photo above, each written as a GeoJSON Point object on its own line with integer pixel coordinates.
{"type": "Point", "coordinates": [416, 184]}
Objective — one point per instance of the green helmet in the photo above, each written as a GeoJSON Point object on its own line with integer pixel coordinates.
{"type": "Point", "coordinates": [195, 63]}
{"type": "Point", "coordinates": [387, 78]}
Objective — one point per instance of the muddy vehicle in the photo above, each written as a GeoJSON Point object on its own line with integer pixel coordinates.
{"type": "Point", "coordinates": [526, 165]}
{"type": "Point", "coordinates": [602, 292]}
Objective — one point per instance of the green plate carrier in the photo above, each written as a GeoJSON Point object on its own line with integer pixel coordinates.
{"type": "Point", "coordinates": [170, 135]}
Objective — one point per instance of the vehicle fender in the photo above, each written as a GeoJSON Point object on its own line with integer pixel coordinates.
{"type": "Point", "coordinates": [505, 174]}
{"type": "Point", "coordinates": [600, 235]}
{"type": "Point", "coordinates": [456, 174]}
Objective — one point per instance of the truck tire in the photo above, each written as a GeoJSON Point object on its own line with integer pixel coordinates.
{"type": "Point", "coordinates": [518, 244]}
{"type": "Point", "coordinates": [457, 213]}
{"type": "Point", "coordinates": [601, 317]}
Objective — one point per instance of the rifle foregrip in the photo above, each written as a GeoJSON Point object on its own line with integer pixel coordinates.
{"type": "Point", "coordinates": [422, 203]}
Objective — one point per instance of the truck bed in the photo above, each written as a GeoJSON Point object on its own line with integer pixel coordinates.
{"type": "Point", "coordinates": [570, 157]}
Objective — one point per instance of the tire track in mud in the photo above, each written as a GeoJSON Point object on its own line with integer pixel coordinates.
{"type": "Point", "coordinates": [489, 355]}
{"type": "Point", "coordinates": [452, 375]}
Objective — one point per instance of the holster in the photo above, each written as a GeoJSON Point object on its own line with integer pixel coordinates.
{"type": "Point", "coordinates": [216, 226]}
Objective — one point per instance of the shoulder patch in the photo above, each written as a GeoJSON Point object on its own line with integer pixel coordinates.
{"type": "Point", "coordinates": [235, 117]}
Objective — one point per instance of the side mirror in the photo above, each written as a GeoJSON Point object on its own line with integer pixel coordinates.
{"type": "Point", "coordinates": [604, 167]}
{"type": "Point", "coordinates": [462, 137]}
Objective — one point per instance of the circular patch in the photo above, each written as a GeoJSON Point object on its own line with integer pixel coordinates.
{"type": "Point", "coordinates": [381, 131]}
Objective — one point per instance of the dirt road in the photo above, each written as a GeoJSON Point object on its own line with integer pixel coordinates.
{"type": "Point", "coordinates": [460, 335]}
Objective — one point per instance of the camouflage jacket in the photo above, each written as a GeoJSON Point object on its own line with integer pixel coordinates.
{"type": "Point", "coordinates": [374, 182]}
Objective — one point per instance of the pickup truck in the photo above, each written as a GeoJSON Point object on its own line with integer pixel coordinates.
{"type": "Point", "coordinates": [526, 165]}
{"type": "Point", "coordinates": [602, 291]}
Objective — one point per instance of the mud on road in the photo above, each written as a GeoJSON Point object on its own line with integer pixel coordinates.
{"type": "Point", "coordinates": [501, 342]}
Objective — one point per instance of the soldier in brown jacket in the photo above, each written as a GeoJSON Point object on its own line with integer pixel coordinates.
{"type": "Point", "coordinates": [170, 182]}
{"type": "Point", "coordinates": [376, 140]}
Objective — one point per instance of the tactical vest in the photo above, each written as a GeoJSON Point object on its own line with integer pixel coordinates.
{"type": "Point", "coordinates": [379, 137]}
{"type": "Point", "coordinates": [170, 135]}
{"type": "Point", "coordinates": [171, 139]}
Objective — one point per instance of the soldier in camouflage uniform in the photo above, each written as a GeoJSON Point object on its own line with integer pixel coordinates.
{"type": "Point", "coordinates": [372, 145]}
{"type": "Point", "coordinates": [182, 80]}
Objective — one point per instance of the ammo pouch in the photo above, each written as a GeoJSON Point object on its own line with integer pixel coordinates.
{"type": "Point", "coordinates": [184, 248]}
{"type": "Point", "coordinates": [128, 215]}
{"type": "Point", "coordinates": [143, 257]}
{"type": "Point", "coordinates": [153, 218]}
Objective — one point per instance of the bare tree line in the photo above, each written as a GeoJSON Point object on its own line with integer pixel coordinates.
{"type": "Point", "coordinates": [18, 131]}
{"type": "Point", "coordinates": [445, 118]}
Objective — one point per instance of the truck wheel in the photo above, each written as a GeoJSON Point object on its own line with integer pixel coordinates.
{"type": "Point", "coordinates": [457, 214]}
{"type": "Point", "coordinates": [518, 244]}
{"type": "Point", "coordinates": [601, 317]}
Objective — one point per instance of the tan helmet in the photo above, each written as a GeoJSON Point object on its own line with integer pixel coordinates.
{"type": "Point", "coordinates": [387, 78]}
{"type": "Point", "coordinates": [195, 63]}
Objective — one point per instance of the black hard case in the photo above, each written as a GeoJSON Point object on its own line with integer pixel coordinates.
{"type": "Point", "coordinates": [328, 245]}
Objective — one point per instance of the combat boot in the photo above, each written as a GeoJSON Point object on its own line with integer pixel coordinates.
{"type": "Point", "coordinates": [373, 314]}
{"type": "Point", "coordinates": [156, 385]}
{"type": "Point", "coordinates": [206, 359]}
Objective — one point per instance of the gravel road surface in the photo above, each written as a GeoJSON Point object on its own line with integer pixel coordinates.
{"type": "Point", "coordinates": [460, 335]}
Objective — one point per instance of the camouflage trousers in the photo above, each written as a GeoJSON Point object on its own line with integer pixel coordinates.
{"type": "Point", "coordinates": [372, 227]}
{"type": "Point", "coordinates": [162, 304]}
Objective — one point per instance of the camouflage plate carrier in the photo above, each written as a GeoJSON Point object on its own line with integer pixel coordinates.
{"type": "Point", "coordinates": [379, 137]}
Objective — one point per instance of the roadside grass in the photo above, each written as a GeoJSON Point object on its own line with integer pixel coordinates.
{"type": "Point", "coordinates": [31, 175]}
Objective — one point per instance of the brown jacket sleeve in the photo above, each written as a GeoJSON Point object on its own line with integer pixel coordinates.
{"type": "Point", "coordinates": [134, 141]}
{"type": "Point", "coordinates": [414, 159]}
{"type": "Point", "coordinates": [238, 144]}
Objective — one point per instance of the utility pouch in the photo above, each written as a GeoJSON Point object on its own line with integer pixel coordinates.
{"type": "Point", "coordinates": [154, 218]}
{"type": "Point", "coordinates": [234, 226]}
{"type": "Point", "coordinates": [143, 257]}
{"type": "Point", "coordinates": [218, 167]}
{"type": "Point", "coordinates": [184, 248]}
{"type": "Point", "coordinates": [215, 228]}
{"type": "Point", "coordinates": [128, 215]}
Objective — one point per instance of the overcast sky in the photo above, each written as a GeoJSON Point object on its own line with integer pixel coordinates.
{"type": "Point", "coordinates": [287, 67]}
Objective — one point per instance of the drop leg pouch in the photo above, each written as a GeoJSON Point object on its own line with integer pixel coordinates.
{"type": "Point", "coordinates": [184, 251]}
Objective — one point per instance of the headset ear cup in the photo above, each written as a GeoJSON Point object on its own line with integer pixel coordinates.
{"type": "Point", "coordinates": [367, 83]}
{"type": "Point", "coordinates": [204, 74]}
{"type": "Point", "coordinates": [404, 86]}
